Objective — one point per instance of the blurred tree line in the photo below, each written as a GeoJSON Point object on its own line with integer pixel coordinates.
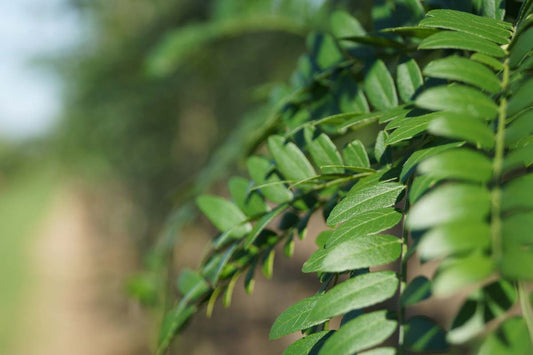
{"type": "Point", "coordinates": [159, 84]}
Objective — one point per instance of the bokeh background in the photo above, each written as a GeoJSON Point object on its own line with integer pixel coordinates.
{"type": "Point", "coordinates": [109, 113]}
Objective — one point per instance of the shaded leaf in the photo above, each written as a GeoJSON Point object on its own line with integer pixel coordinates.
{"type": "Point", "coordinates": [416, 291]}
{"type": "Point", "coordinates": [423, 334]}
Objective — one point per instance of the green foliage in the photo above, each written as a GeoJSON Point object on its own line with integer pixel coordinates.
{"type": "Point", "coordinates": [448, 171]}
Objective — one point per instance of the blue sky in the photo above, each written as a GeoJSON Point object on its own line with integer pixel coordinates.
{"type": "Point", "coordinates": [29, 94]}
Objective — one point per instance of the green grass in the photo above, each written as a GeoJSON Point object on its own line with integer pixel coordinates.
{"type": "Point", "coordinates": [24, 199]}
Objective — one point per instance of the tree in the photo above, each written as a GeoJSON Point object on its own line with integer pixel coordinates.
{"type": "Point", "coordinates": [444, 176]}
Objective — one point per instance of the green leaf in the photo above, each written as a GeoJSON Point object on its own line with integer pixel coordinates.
{"type": "Point", "coordinates": [481, 307]}
{"type": "Point", "coordinates": [420, 185]}
{"type": "Point", "coordinates": [224, 215]}
{"type": "Point", "coordinates": [519, 158]}
{"type": "Point", "coordinates": [449, 203]}
{"type": "Point", "coordinates": [511, 338]}
{"type": "Point", "coordinates": [362, 252]}
{"type": "Point", "coordinates": [380, 351]}
{"type": "Point", "coordinates": [517, 228]}
{"type": "Point", "coordinates": [380, 148]}
{"type": "Point", "coordinates": [517, 263]}
{"type": "Point", "coordinates": [521, 47]}
{"type": "Point", "coordinates": [421, 155]}
{"type": "Point", "coordinates": [366, 198]}
{"type": "Point", "coordinates": [494, 9]}
{"type": "Point", "coordinates": [173, 321]}
{"type": "Point", "coordinates": [260, 170]}
{"type": "Point", "coordinates": [461, 41]}
{"type": "Point", "coordinates": [470, 129]}
{"type": "Point", "coordinates": [290, 160]}
{"type": "Point", "coordinates": [250, 203]}
{"type": "Point", "coordinates": [411, 31]}
{"type": "Point", "coordinates": [323, 152]}
{"type": "Point", "coordinates": [354, 154]}
{"type": "Point", "coordinates": [222, 263]}
{"type": "Point", "coordinates": [423, 334]}
{"type": "Point", "coordinates": [487, 60]}
{"type": "Point", "coordinates": [380, 88]}
{"type": "Point", "coordinates": [410, 128]}
{"type": "Point", "coordinates": [459, 99]}
{"type": "Point", "coordinates": [268, 264]}
{"type": "Point", "coordinates": [460, 163]}
{"type": "Point", "coordinates": [453, 238]}
{"type": "Point", "coordinates": [409, 79]}
{"type": "Point", "coordinates": [363, 224]}
{"type": "Point", "coordinates": [359, 334]}
{"type": "Point", "coordinates": [295, 318]}
{"type": "Point", "coordinates": [518, 193]}
{"type": "Point", "coordinates": [520, 128]}
{"type": "Point", "coordinates": [418, 290]}
{"type": "Point", "coordinates": [344, 25]}
{"type": "Point", "coordinates": [482, 27]}
{"type": "Point", "coordinates": [455, 274]}
{"type": "Point", "coordinates": [358, 292]}
{"type": "Point", "coordinates": [308, 344]}
{"type": "Point", "coordinates": [457, 68]}
{"type": "Point", "coordinates": [192, 285]}
{"type": "Point", "coordinates": [521, 98]}
{"type": "Point", "coordinates": [261, 224]}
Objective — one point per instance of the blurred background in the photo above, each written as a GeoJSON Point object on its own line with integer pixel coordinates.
{"type": "Point", "coordinates": [109, 111]}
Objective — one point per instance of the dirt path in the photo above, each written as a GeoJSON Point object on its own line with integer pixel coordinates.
{"type": "Point", "coordinates": [76, 303]}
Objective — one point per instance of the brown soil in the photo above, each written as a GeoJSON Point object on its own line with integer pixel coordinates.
{"type": "Point", "coordinates": [76, 303]}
